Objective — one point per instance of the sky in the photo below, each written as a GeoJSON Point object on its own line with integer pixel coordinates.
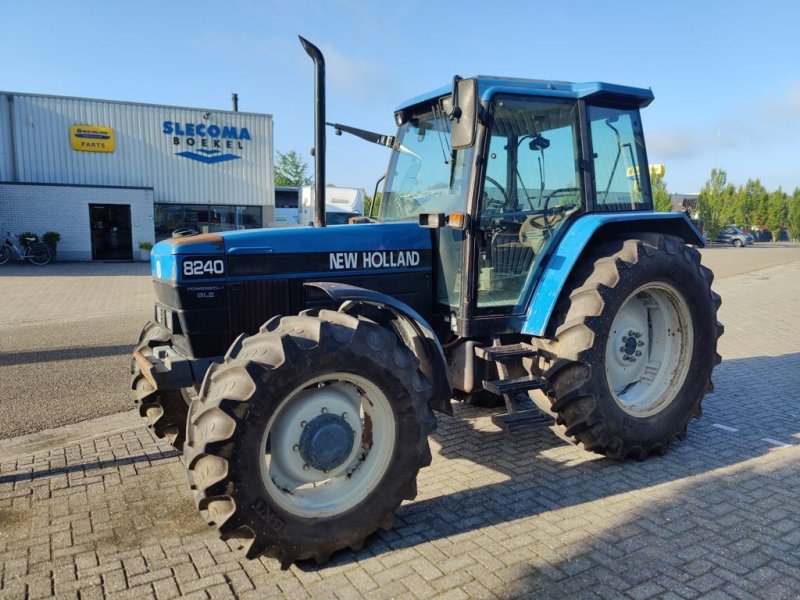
{"type": "Point", "coordinates": [725, 74]}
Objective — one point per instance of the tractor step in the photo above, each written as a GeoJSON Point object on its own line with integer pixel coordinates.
{"type": "Point", "coordinates": [512, 421]}
{"type": "Point", "coordinates": [512, 386]}
{"type": "Point", "coordinates": [502, 353]}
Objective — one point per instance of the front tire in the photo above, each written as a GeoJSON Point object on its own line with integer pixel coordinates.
{"type": "Point", "coordinates": [5, 254]}
{"type": "Point", "coordinates": [738, 243]}
{"type": "Point", "coordinates": [165, 410]}
{"type": "Point", "coordinates": [40, 255]}
{"type": "Point", "coordinates": [309, 435]}
{"type": "Point", "coordinates": [634, 347]}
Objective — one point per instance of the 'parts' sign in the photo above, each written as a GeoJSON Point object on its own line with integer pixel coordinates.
{"type": "Point", "coordinates": [207, 142]}
{"type": "Point", "coordinates": [91, 138]}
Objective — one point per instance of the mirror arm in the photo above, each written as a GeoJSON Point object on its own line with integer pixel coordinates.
{"type": "Point", "coordinates": [369, 136]}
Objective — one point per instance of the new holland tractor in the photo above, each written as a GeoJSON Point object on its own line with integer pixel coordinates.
{"type": "Point", "coordinates": [515, 258]}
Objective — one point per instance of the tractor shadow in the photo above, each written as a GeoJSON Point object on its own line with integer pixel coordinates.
{"type": "Point", "coordinates": [491, 478]}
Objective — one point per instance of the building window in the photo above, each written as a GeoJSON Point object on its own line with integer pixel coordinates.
{"type": "Point", "coordinates": [205, 218]}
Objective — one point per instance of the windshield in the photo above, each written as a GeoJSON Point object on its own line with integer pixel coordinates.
{"type": "Point", "coordinates": [424, 174]}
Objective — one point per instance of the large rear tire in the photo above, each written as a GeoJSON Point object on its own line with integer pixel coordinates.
{"type": "Point", "coordinates": [308, 436]}
{"type": "Point", "coordinates": [634, 347]}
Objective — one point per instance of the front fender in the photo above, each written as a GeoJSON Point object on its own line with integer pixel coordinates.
{"type": "Point", "coordinates": [411, 327]}
{"type": "Point", "coordinates": [587, 228]}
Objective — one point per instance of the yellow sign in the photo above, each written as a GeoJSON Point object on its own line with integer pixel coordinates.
{"type": "Point", "coordinates": [91, 138]}
{"type": "Point", "coordinates": [657, 169]}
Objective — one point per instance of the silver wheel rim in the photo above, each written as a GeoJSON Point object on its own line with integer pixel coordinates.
{"type": "Point", "coordinates": [649, 349]}
{"type": "Point", "coordinates": [305, 490]}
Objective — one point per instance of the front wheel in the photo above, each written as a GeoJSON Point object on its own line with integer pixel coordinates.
{"type": "Point", "coordinates": [309, 435]}
{"type": "Point", "coordinates": [39, 255]}
{"type": "Point", "coordinates": [634, 348]}
{"type": "Point", "coordinates": [5, 254]}
{"type": "Point", "coordinates": [738, 243]}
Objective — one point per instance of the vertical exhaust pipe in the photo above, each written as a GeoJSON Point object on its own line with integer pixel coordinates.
{"type": "Point", "coordinates": [235, 100]}
{"type": "Point", "coordinates": [319, 129]}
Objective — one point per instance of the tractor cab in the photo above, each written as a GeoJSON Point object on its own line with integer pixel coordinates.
{"type": "Point", "coordinates": [503, 179]}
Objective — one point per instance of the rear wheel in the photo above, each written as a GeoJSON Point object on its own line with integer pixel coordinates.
{"type": "Point", "coordinates": [5, 254]}
{"type": "Point", "coordinates": [309, 435]}
{"type": "Point", "coordinates": [39, 254]}
{"type": "Point", "coordinates": [634, 348]}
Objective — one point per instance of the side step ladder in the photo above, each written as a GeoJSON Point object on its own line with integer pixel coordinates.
{"type": "Point", "coordinates": [520, 410]}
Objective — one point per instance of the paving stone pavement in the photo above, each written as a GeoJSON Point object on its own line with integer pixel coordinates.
{"type": "Point", "coordinates": [104, 510]}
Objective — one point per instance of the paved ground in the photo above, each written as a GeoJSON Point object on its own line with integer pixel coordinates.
{"type": "Point", "coordinates": [66, 333]}
{"type": "Point", "coordinates": [101, 509]}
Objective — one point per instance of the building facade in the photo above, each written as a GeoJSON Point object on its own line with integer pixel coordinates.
{"type": "Point", "coordinates": [107, 175]}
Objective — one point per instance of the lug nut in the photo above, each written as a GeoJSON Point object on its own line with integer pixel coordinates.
{"type": "Point", "coordinates": [638, 353]}
{"type": "Point", "coordinates": [324, 410]}
{"type": "Point", "coordinates": [631, 333]}
{"type": "Point", "coordinates": [640, 343]}
{"type": "Point", "coordinates": [303, 423]}
{"type": "Point", "coordinates": [306, 467]}
{"type": "Point", "coordinates": [344, 415]}
{"type": "Point", "coordinates": [296, 448]}
{"type": "Point", "coordinates": [637, 335]}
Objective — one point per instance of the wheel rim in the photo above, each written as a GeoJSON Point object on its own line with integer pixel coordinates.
{"type": "Point", "coordinates": [649, 349]}
{"type": "Point", "coordinates": [308, 466]}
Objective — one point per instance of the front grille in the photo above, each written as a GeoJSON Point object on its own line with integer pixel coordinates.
{"type": "Point", "coordinates": [251, 303]}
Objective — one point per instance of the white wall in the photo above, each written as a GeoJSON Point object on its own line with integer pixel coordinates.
{"type": "Point", "coordinates": [65, 209]}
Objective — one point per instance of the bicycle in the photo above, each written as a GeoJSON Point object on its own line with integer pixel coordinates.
{"type": "Point", "coordinates": [34, 251]}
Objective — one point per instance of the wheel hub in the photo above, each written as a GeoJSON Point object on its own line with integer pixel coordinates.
{"type": "Point", "coordinates": [630, 344]}
{"type": "Point", "coordinates": [326, 442]}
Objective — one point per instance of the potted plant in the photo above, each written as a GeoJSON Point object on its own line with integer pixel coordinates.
{"type": "Point", "coordinates": [144, 250]}
{"type": "Point", "coordinates": [51, 238]}
{"type": "Point", "coordinates": [25, 236]}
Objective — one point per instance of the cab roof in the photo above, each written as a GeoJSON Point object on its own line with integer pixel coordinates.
{"type": "Point", "coordinates": [488, 86]}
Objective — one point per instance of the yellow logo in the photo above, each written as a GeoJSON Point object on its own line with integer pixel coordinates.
{"type": "Point", "coordinates": [91, 138]}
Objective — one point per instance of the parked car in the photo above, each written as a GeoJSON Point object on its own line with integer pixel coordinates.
{"type": "Point", "coordinates": [731, 234]}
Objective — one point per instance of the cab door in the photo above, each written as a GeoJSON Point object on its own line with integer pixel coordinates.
{"type": "Point", "coordinates": [531, 183]}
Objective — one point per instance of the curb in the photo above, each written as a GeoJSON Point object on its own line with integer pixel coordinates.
{"type": "Point", "coordinates": [69, 435]}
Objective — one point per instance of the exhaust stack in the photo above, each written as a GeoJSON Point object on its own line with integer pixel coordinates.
{"type": "Point", "coordinates": [319, 129]}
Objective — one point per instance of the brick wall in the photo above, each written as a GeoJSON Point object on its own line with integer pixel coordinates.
{"type": "Point", "coordinates": [65, 209]}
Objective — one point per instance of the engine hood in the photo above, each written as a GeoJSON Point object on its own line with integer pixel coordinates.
{"type": "Point", "coordinates": [293, 252]}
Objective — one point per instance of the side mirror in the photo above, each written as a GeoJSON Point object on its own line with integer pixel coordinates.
{"type": "Point", "coordinates": [464, 113]}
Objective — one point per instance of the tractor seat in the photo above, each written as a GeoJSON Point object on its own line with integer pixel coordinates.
{"type": "Point", "coordinates": [509, 256]}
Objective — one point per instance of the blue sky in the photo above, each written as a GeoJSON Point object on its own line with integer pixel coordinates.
{"type": "Point", "coordinates": [726, 75]}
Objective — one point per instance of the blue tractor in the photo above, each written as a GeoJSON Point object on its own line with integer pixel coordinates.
{"type": "Point", "coordinates": [515, 260]}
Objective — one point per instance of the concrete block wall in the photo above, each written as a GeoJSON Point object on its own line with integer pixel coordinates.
{"type": "Point", "coordinates": [65, 209]}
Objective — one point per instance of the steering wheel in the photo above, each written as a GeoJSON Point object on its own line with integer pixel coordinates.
{"type": "Point", "coordinates": [546, 217]}
{"type": "Point", "coordinates": [496, 184]}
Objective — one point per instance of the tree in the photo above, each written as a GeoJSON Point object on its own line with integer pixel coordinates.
{"type": "Point", "coordinates": [662, 201]}
{"type": "Point", "coordinates": [291, 169]}
{"type": "Point", "coordinates": [793, 216]}
{"type": "Point", "coordinates": [368, 205]}
{"type": "Point", "coordinates": [715, 203]}
{"type": "Point", "coordinates": [776, 213]}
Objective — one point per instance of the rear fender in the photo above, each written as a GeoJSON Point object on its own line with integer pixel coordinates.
{"type": "Point", "coordinates": [596, 227]}
{"type": "Point", "coordinates": [410, 327]}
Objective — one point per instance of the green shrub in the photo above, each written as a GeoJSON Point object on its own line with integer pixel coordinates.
{"type": "Point", "coordinates": [51, 238]}
{"type": "Point", "coordinates": [27, 234]}
{"type": "Point", "coordinates": [145, 245]}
